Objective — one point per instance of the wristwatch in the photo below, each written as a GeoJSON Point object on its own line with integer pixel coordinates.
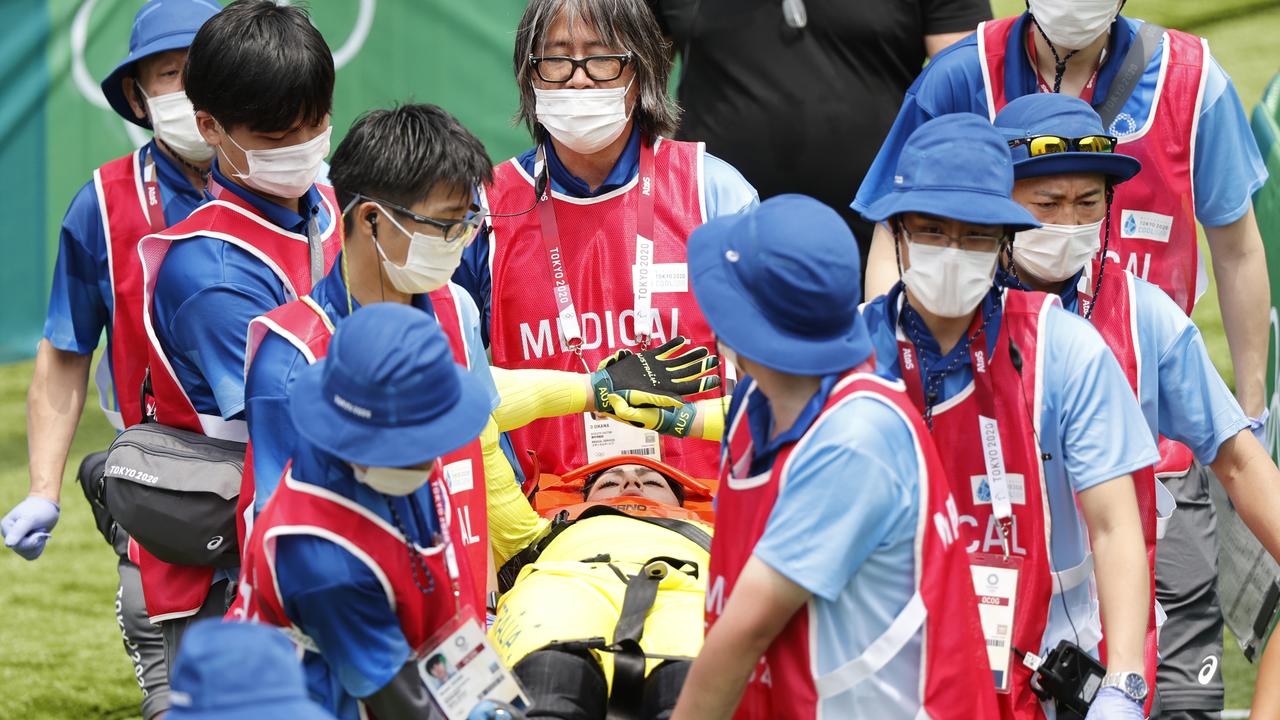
{"type": "Point", "coordinates": [1131, 684]}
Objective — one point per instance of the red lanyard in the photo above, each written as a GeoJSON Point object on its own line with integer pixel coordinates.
{"type": "Point", "coordinates": [1086, 94]}
{"type": "Point", "coordinates": [438, 490]}
{"type": "Point", "coordinates": [151, 193]}
{"type": "Point", "coordinates": [642, 280]}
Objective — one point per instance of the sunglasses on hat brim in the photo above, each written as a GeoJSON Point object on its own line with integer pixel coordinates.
{"type": "Point", "coordinates": [1050, 144]}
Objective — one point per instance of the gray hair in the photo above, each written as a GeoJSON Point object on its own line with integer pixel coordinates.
{"type": "Point", "coordinates": [628, 24]}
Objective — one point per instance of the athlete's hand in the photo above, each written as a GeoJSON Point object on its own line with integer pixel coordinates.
{"type": "Point", "coordinates": [493, 710]}
{"type": "Point", "coordinates": [27, 526]}
{"type": "Point", "coordinates": [656, 376]}
{"type": "Point", "coordinates": [1112, 704]}
{"type": "Point", "coordinates": [674, 418]}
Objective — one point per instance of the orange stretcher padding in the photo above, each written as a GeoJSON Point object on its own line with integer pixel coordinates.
{"type": "Point", "coordinates": [550, 494]}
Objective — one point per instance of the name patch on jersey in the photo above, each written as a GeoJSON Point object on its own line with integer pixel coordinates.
{"type": "Point", "coordinates": [1143, 225]}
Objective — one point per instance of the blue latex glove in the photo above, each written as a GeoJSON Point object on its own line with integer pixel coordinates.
{"type": "Point", "coordinates": [27, 526]}
{"type": "Point", "coordinates": [1258, 426]}
{"type": "Point", "coordinates": [491, 710]}
{"type": "Point", "coordinates": [1112, 704]}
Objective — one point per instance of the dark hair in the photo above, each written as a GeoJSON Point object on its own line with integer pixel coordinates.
{"type": "Point", "coordinates": [402, 154]}
{"type": "Point", "coordinates": [261, 65]}
{"type": "Point", "coordinates": [626, 24]}
{"type": "Point", "coordinates": [437, 659]}
{"type": "Point", "coordinates": [676, 488]}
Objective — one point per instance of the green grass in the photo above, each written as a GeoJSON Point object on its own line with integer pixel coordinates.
{"type": "Point", "coordinates": [60, 652]}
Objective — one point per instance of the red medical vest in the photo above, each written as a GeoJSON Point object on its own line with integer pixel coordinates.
{"type": "Point", "coordinates": [954, 678]}
{"type": "Point", "coordinates": [1153, 221]}
{"type": "Point", "coordinates": [304, 325]}
{"type": "Point", "coordinates": [1114, 318]}
{"type": "Point", "coordinates": [993, 423]}
{"type": "Point", "coordinates": [130, 207]}
{"type": "Point", "coordinates": [594, 258]}
{"type": "Point", "coordinates": [299, 508]}
{"type": "Point", "coordinates": [176, 591]}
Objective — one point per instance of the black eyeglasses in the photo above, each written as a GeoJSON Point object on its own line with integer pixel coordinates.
{"type": "Point", "coordinates": [1050, 144]}
{"type": "Point", "coordinates": [560, 68]}
{"type": "Point", "coordinates": [452, 231]}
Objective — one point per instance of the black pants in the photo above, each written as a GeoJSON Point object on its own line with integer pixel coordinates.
{"type": "Point", "coordinates": [571, 686]}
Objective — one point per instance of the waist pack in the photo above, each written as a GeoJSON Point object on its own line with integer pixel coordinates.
{"type": "Point", "coordinates": [175, 493]}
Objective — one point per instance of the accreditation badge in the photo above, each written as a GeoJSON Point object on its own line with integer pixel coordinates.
{"type": "Point", "coordinates": [460, 668]}
{"type": "Point", "coordinates": [608, 438]}
{"type": "Point", "coordinates": [995, 583]}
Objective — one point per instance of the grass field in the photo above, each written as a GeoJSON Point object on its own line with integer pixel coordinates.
{"type": "Point", "coordinates": [60, 653]}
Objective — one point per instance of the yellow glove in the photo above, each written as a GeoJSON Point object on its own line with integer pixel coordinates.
{"type": "Point", "coordinates": [663, 373]}
{"type": "Point", "coordinates": [674, 418]}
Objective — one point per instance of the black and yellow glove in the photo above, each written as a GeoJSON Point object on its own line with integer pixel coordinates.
{"type": "Point", "coordinates": [674, 419]}
{"type": "Point", "coordinates": [655, 377]}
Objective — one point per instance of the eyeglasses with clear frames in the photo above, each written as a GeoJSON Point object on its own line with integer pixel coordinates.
{"type": "Point", "coordinates": [560, 68]}
{"type": "Point", "coordinates": [975, 242]}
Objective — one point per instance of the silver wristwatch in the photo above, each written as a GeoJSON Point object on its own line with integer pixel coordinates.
{"type": "Point", "coordinates": [1131, 684]}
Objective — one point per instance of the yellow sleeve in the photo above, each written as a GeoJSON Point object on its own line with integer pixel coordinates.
{"type": "Point", "coordinates": [529, 395]}
{"type": "Point", "coordinates": [712, 412]}
{"type": "Point", "coordinates": [513, 524]}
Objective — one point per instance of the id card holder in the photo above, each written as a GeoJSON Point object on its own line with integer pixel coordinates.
{"type": "Point", "coordinates": [607, 438]}
{"type": "Point", "coordinates": [460, 668]}
{"type": "Point", "coordinates": [995, 583]}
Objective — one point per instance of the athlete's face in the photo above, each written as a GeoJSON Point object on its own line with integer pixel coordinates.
{"type": "Point", "coordinates": [1070, 199]}
{"type": "Point", "coordinates": [633, 480]}
{"type": "Point", "coordinates": [158, 74]}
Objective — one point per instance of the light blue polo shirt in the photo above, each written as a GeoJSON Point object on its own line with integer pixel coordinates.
{"type": "Point", "coordinates": [843, 527]}
{"type": "Point", "coordinates": [1090, 423]}
{"type": "Point", "coordinates": [1227, 170]}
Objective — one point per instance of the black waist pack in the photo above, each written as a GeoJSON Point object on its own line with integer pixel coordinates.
{"type": "Point", "coordinates": [175, 492]}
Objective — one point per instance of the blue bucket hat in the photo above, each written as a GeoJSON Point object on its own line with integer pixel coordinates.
{"type": "Point", "coordinates": [239, 671]}
{"type": "Point", "coordinates": [389, 393]}
{"type": "Point", "coordinates": [1064, 116]}
{"type": "Point", "coordinates": [781, 284]}
{"type": "Point", "coordinates": [159, 26]}
{"type": "Point", "coordinates": [956, 166]}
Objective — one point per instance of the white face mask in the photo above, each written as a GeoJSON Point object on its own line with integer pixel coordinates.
{"type": "Point", "coordinates": [393, 481]}
{"type": "Point", "coordinates": [947, 281]}
{"type": "Point", "coordinates": [285, 172]}
{"type": "Point", "coordinates": [585, 121]}
{"type": "Point", "coordinates": [1073, 24]}
{"type": "Point", "coordinates": [1053, 253]}
{"type": "Point", "coordinates": [174, 121]}
{"type": "Point", "coordinates": [428, 265]}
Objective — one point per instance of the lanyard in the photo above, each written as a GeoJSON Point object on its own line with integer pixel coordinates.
{"type": "Point", "coordinates": [442, 513]}
{"type": "Point", "coordinates": [642, 280]}
{"type": "Point", "coordinates": [151, 193]}
{"type": "Point", "coordinates": [988, 425]}
{"type": "Point", "coordinates": [1086, 93]}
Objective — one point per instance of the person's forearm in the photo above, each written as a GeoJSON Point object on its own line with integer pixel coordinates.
{"type": "Point", "coordinates": [529, 395]}
{"type": "Point", "coordinates": [882, 264]}
{"type": "Point", "coordinates": [1244, 295]}
{"type": "Point", "coordinates": [934, 44]}
{"type": "Point", "coordinates": [1266, 697]}
{"type": "Point", "coordinates": [54, 403]}
{"type": "Point", "coordinates": [1120, 566]}
{"type": "Point", "coordinates": [1252, 482]}
{"type": "Point", "coordinates": [718, 677]}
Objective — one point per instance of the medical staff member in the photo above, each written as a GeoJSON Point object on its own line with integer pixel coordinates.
{"type": "Point", "coordinates": [260, 78]}
{"type": "Point", "coordinates": [1037, 427]}
{"type": "Point", "coordinates": [406, 178]}
{"type": "Point", "coordinates": [1178, 114]}
{"type": "Point", "coordinates": [839, 585]}
{"type": "Point", "coordinates": [585, 251]}
{"type": "Point", "coordinates": [351, 551]}
{"type": "Point", "coordinates": [97, 285]}
{"type": "Point", "coordinates": [1065, 173]}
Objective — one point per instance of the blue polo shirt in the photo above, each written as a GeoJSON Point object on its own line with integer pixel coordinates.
{"type": "Point", "coordinates": [1089, 422]}
{"type": "Point", "coordinates": [843, 527]}
{"type": "Point", "coordinates": [277, 363]}
{"type": "Point", "coordinates": [1182, 395]}
{"type": "Point", "coordinates": [337, 600]}
{"type": "Point", "coordinates": [206, 293]}
{"type": "Point", "coordinates": [1227, 166]}
{"type": "Point", "coordinates": [724, 192]}
{"type": "Point", "coordinates": [81, 301]}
